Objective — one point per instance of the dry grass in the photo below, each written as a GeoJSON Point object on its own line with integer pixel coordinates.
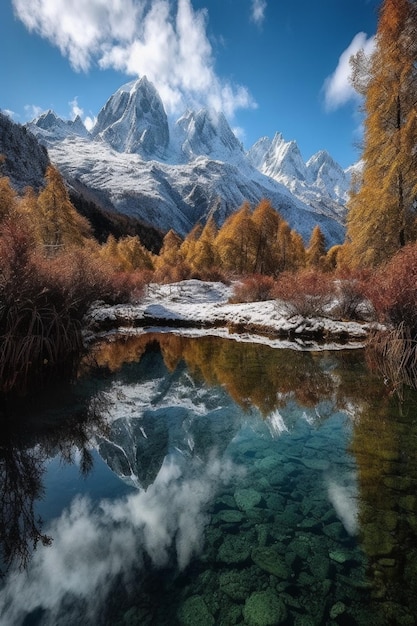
{"type": "Point", "coordinates": [42, 304]}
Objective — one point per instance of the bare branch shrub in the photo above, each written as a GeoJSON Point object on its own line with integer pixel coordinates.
{"type": "Point", "coordinates": [352, 302]}
{"type": "Point", "coordinates": [393, 291]}
{"type": "Point", "coordinates": [307, 293]}
{"type": "Point", "coordinates": [393, 354]}
{"type": "Point", "coordinates": [254, 288]}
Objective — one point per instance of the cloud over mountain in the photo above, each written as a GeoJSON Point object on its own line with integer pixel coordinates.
{"type": "Point", "coordinates": [166, 41]}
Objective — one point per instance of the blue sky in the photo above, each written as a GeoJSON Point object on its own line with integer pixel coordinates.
{"type": "Point", "coordinates": [270, 65]}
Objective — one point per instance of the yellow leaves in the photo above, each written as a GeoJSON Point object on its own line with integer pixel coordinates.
{"type": "Point", "coordinates": [316, 251]}
{"type": "Point", "coordinates": [382, 212]}
{"type": "Point", "coordinates": [60, 225]}
{"type": "Point", "coordinates": [8, 198]}
{"type": "Point", "coordinates": [127, 254]}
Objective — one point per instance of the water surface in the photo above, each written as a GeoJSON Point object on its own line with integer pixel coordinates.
{"type": "Point", "coordinates": [210, 482]}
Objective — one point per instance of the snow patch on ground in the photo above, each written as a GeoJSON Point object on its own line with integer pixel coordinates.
{"type": "Point", "coordinates": [194, 308]}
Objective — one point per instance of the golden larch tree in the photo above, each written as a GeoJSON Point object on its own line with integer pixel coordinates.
{"type": "Point", "coordinates": [8, 198]}
{"type": "Point", "coordinates": [316, 249]}
{"type": "Point", "coordinates": [382, 212]}
{"type": "Point", "coordinates": [266, 221]}
{"type": "Point", "coordinates": [59, 223]}
{"type": "Point", "coordinates": [236, 242]}
{"type": "Point", "coordinates": [205, 254]}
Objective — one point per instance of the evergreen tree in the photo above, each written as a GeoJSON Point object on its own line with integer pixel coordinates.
{"type": "Point", "coordinates": [382, 212]}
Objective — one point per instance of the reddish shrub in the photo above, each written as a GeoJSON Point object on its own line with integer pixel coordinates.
{"type": "Point", "coordinates": [212, 274]}
{"type": "Point", "coordinates": [393, 290]}
{"type": "Point", "coordinates": [352, 295]}
{"type": "Point", "coordinates": [253, 288]}
{"type": "Point", "coordinates": [308, 292]}
{"type": "Point", "coordinates": [42, 303]}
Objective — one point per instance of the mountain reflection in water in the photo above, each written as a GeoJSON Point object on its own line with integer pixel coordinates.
{"type": "Point", "coordinates": [255, 486]}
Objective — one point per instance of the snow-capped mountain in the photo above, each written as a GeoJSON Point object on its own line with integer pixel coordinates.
{"type": "Point", "coordinates": [50, 127]}
{"type": "Point", "coordinates": [173, 174]}
{"type": "Point", "coordinates": [205, 133]}
{"type": "Point", "coordinates": [321, 178]}
{"type": "Point", "coordinates": [134, 120]}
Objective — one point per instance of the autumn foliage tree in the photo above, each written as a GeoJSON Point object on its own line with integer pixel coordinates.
{"type": "Point", "coordinates": [382, 212]}
{"type": "Point", "coordinates": [316, 250]}
{"type": "Point", "coordinates": [59, 223]}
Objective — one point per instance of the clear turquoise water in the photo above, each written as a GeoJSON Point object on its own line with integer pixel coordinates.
{"type": "Point", "coordinates": [209, 482]}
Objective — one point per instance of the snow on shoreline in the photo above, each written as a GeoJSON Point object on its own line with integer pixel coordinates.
{"type": "Point", "coordinates": [196, 308]}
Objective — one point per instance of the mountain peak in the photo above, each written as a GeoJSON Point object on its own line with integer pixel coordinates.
{"type": "Point", "coordinates": [206, 132]}
{"type": "Point", "coordinates": [50, 127]}
{"type": "Point", "coordinates": [280, 159]}
{"type": "Point", "coordinates": [134, 120]}
{"type": "Point", "coordinates": [47, 120]}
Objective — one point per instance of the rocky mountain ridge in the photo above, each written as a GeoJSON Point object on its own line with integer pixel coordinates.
{"type": "Point", "coordinates": [22, 159]}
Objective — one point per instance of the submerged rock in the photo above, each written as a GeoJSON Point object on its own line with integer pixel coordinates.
{"type": "Point", "coordinates": [337, 609]}
{"type": "Point", "coordinates": [320, 465]}
{"type": "Point", "coordinates": [235, 585]}
{"type": "Point", "coordinates": [264, 608]}
{"type": "Point", "coordinates": [230, 516]}
{"type": "Point", "coordinates": [234, 549]}
{"type": "Point", "coordinates": [270, 560]}
{"type": "Point", "coordinates": [247, 499]}
{"type": "Point", "coordinates": [194, 611]}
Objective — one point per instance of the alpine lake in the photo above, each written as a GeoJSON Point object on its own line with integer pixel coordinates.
{"type": "Point", "coordinates": [211, 482]}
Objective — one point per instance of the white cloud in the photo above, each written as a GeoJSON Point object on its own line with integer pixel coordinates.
{"type": "Point", "coordinates": [10, 113]}
{"type": "Point", "coordinates": [337, 87]}
{"type": "Point", "coordinates": [79, 28]}
{"type": "Point", "coordinates": [258, 11]}
{"type": "Point", "coordinates": [89, 122]}
{"type": "Point", "coordinates": [138, 37]}
{"type": "Point", "coordinates": [75, 109]}
{"type": "Point", "coordinates": [32, 111]}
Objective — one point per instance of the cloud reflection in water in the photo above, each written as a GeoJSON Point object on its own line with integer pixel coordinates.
{"type": "Point", "coordinates": [95, 543]}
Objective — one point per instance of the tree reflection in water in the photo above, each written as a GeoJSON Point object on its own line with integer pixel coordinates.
{"type": "Point", "coordinates": [254, 375]}
{"type": "Point", "coordinates": [384, 436]}
{"type": "Point", "coordinates": [26, 444]}
{"type": "Point", "coordinates": [261, 380]}
{"type": "Point", "coordinates": [21, 473]}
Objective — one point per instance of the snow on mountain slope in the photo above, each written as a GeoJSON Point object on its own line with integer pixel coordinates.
{"type": "Point", "coordinates": [50, 128]}
{"type": "Point", "coordinates": [278, 159]}
{"type": "Point", "coordinates": [173, 175]}
{"type": "Point", "coordinates": [134, 120]}
{"type": "Point", "coordinates": [206, 133]}
{"type": "Point", "coordinates": [320, 180]}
